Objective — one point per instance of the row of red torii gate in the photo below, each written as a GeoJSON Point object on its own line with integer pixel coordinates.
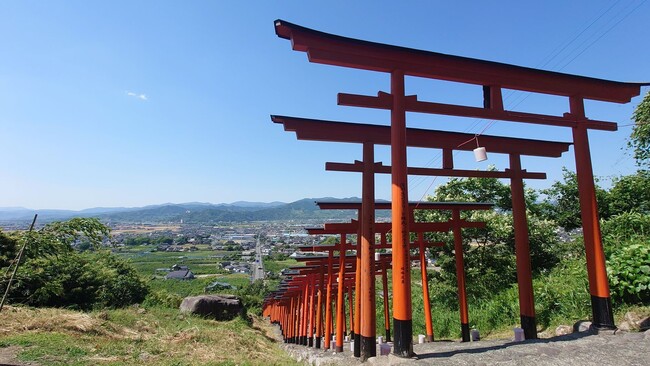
{"type": "Point", "coordinates": [306, 296]}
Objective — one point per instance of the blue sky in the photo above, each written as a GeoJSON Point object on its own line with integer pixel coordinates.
{"type": "Point", "coordinates": [129, 103]}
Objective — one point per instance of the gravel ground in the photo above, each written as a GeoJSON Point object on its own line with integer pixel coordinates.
{"type": "Point", "coordinates": [583, 348]}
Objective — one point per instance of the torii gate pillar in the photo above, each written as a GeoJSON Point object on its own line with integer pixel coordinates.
{"type": "Point", "coordinates": [601, 302]}
{"type": "Point", "coordinates": [368, 329]}
{"type": "Point", "coordinates": [340, 306]}
{"type": "Point", "coordinates": [522, 250]}
{"type": "Point", "coordinates": [402, 308]}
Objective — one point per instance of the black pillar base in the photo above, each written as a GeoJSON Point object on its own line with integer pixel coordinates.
{"type": "Point", "coordinates": [357, 345]}
{"type": "Point", "coordinates": [429, 337]}
{"type": "Point", "coordinates": [303, 340]}
{"type": "Point", "coordinates": [310, 341]}
{"type": "Point", "coordinates": [464, 331]}
{"type": "Point", "coordinates": [318, 340]}
{"type": "Point", "coordinates": [403, 341]}
{"type": "Point", "coordinates": [529, 325]}
{"type": "Point", "coordinates": [387, 335]}
{"type": "Point", "coordinates": [601, 308]}
{"type": "Point", "coordinates": [338, 349]}
{"type": "Point", "coordinates": [368, 348]}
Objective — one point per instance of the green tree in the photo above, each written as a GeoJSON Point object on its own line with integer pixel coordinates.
{"type": "Point", "coordinates": [8, 249]}
{"type": "Point", "coordinates": [562, 203]}
{"type": "Point", "coordinates": [489, 252]}
{"type": "Point", "coordinates": [252, 295]}
{"type": "Point", "coordinates": [622, 229]}
{"type": "Point", "coordinates": [630, 193]}
{"type": "Point", "coordinates": [54, 274]}
{"type": "Point", "coordinates": [640, 136]}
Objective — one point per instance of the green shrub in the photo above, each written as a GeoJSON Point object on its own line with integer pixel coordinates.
{"type": "Point", "coordinates": [629, 273]}
{"type": "Point", "coordinates": [52, 273]}
{"type": "Point", "coordinates": [162, 298]}
{"type": "Point", "coordinates": [78, 280]}
{"type": "Point", "coordinates": [252, 296]}
{"type": "Point", "coordinates": [620, 229]}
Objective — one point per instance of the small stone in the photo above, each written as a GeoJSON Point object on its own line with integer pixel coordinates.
{"type": "Point", "coordinates": [625, 326]}
{"type": "Point", "coordinates": [637, 321]}
{"type": "Point", "coordinates": [581, 326]}
{"type": "Point", "coordinates": [563, 330]}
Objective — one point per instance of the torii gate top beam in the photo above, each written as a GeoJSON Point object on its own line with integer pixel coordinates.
{"type": "Point", "coordinates": [336, 50]}
{"type": "Point", "coordinates": [331, 131]}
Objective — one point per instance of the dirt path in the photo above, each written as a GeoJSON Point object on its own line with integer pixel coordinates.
{"type": "Point", "coordinates": [8, 357]}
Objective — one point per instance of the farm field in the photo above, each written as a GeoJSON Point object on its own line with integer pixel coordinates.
{"type": "Point", "coordinates": [204, 263]}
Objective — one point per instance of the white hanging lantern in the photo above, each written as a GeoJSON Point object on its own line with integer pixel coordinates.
{"type": "Point", "coordinates": [480, 154]}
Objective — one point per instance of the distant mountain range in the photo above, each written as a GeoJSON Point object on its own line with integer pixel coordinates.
{"type": "Point", "coordinates": [191, 212]}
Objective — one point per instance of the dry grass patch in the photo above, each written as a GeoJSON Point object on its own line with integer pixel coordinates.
{"type": "Point", "coordinates": [136, 337]}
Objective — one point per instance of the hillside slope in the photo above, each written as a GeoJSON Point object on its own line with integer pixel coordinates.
{"type": "Point", "coordinates": [134, 336]}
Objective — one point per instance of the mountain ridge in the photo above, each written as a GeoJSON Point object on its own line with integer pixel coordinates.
{"type": "Point", "coordinates": [190, 212]}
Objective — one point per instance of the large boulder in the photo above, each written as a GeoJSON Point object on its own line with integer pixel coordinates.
{"type": "Point", "coordinates": [219, 307]}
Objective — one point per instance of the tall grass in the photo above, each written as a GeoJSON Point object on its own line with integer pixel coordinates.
{"type": "Point", "coordinates": [561, 297]}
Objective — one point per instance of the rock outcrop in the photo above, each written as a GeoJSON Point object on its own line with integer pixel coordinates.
{"type": "Point", "coordinates": [219, 307]}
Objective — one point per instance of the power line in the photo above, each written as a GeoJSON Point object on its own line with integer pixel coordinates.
{"type": "Point", "coordinates": [554, 54]}
{"type": "Point", "coordinates": [603, 34]}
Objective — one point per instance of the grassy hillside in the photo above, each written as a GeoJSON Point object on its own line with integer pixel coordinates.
{"type": "Point", "coordinates": [135, 336]}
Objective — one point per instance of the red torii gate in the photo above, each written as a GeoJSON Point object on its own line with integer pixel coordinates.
{"type": "Point", "coordinates": [293, 294]}
{"type": "Point", "coordinates": [456, 224]}
{"type": "Point", "coordinates": [349, 272]}
{"type": "Point", "coordinates": [398, 62]}
{"type": "Point", "coordinates": [350, 228]}
{"type": "Point", "coordinates": [347, 280]}
{"type": "Point", "coordinates": [382, 262]}
{"type": "Point", "coordinates": [365, 321]}
{"type": "Point", "coordinates": [369, 135]}
{"type": "Point", "coordinates": [382, 229]}
{"type": "Point", "coordinates": [303, 286]}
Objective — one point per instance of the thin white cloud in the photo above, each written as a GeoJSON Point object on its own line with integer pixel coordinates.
{"type": "Point", "coordinates": [136, 95]}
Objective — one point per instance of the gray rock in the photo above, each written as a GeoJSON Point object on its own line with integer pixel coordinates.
{"type": "Point", "coordinates": [581, 326]}
{"type": "Point", "coordinates": [626, 326]}
{"type": "Point", "coordinates": [219, 307]}
{"type": "Point", "coordinates": [563, 330]}
{"type": "Point", "coordinates": [645, 324]}
{"type": "Point", "coordinates": [637, 321]}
